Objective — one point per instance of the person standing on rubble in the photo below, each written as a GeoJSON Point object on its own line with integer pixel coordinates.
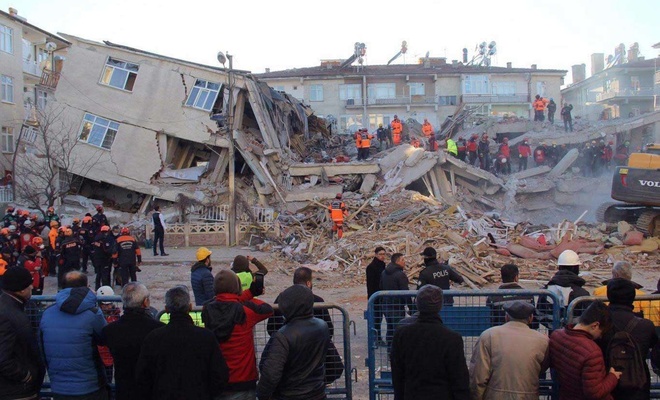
{"type": "Point", "coordinates": [438, 274]}
{"type": "Point", "coordinates": [540, 154]}
{"type": "Point", "coordinates": [338, 211]}
{"type": "Point", "coordinates": [552, 154]}
{"type": "Point", "coordinates": [567, 117]}
{"type": "Point", "coordinates": [608, 153]}
{"type": "Point", "coordinates": [99, 219]}
{"type": "Point", "coordinates": [452, 148]}
{"type": "Point", "coordinates": [483, 151]}
{"type": "Point", "coordinates": [427, 128]}
{"type": "Point", "coordinates": [504, 153]}
{"type": "Point", "coordinates": [365, 144]}
{"type": "Point", "coordinates": [358, 143]}
{"type": "Point", "coordinates": [552, 108]}
{"type": "Point", "coordinates": [462, 148]}
{"type": "Point", "coordinates": [381, 135]}
{"type": "Point", "coordinates": [472, 147]}
{"type": "Point", "coordinates": [524, 151]}
{"type": "Point", "coordinates": [539, 108]}
{"type": "Point", "coordinates": [397, 129]}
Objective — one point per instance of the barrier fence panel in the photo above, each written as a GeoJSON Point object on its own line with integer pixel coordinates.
{"type": "Point", "coordinates": [466, 312]}
{"type": "Point", "coordinates": [338, 322]}
{"type": "Point", "coordinates": [648, 305]}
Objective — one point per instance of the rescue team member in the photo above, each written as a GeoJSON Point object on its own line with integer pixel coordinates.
{"type": "Point", "coordinates": [452, 148]}
{"type": "Point", "coordinates": [69, 255]}
{"type": "Point", "coordinates": [505, 152]}
{"type": "Point", "coordinates": [99, 220]}
{"type": "Point", "coordinates": [241, 267]}
{"type": "Point", "coordinates": [540, 154]}
{"type": "Point", "coordinates": [102, 248]}
{"type": "Point", "coordinates": [414, 142]}
{"type": "Point", "coordinates": [397, 129]}
{"type": "Point", "coordinates": [427, 128]}
{"type": "Point", "coordinates": [433, 144]}
{"type": "Point", "coordinates": [462, 149]}
{"type": "Point", "coordinates": [365, 144]}
{"type": "Point", "coordinates": [337, 213]}
{"type": "Point", "coordinates": [539, 107]}
{"type": "Point", "coordinates": [127, 256]}
{"type": "Point", "coordinates": [472, 149]}
{"type": "Point", "coordinates": [358, 143]}
{"type": "Point", "coordinates": [524, 151]}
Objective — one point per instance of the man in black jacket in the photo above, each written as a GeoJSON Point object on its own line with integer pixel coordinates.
{"type": "Point", "coordinates": [125, 336]}
{"type": "Point", "coordinates": [374, 271]}
{"type": "Point", "coordinates": [427, 357]}
{"type": "Point", "coordinates": [21, 368]}
{"type": "Point", "coordinates": [509, 274]}
{"type": "Point", "coordinates": [180, 361]}
{"type": "Point", "coordinates": [437, 274]}
{"type": "Point", "coordinates": [394, 308]}
{"type": "Point", "coordinates": [621, 294]}
{"type": "Point", "coordinates": [293, 362]}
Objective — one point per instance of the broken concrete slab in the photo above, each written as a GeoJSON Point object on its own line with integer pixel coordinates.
{"type": "Point", "coordinates": [415, 156]}
{"type": "Point", "coordinates": [333, 169]}
{"type": "Point", "coordinates": [535, 185]}
{"type": "Point", "coordinates": [471, 172]}
{"type": "Point", "coordinates": [368, 182]}
{"type": "Point", "coordinates": [564, 163]}
{"type": "Point", "coordinates": [315, 193]}
{"type": "Point", "coordinates": [528, 173]}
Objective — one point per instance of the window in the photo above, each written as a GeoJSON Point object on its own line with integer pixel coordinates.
{"type": "Point", "coordinates": [476, 84]}
{"type": "Point", "coordinates": [417, 89]}
{"type": "Point", "coordinates": [7, 89]}
{"type": "Point", "coordinates": [350, 91]}
{"type": "Point", "coordinates": [6, 39]}
{"type": "Point", "coordinates": [42, 99]}
{"type": "Point", "coordinates": [98, 131]}
{"type": "Point", "coordinates": [447, 100]}
{"type": "Point", "coordinates": [540, 88]}
{"type": "Point", "coordinates": [316, 93]}
{"type": "Point", "coordinates": [381, 91]}
{"type": "Point", "coordinates": [375, 119]}
{"type": "Point", "coordinates": [504, 88]}
{"type": "Point", "coordinates": [119, 74]}
{"type": "Point", "coordinates": [203, 95]}
{"type": "Point", "coordinates": [279, 88]}
{"type": "Point", "coordinates": [350, 123]}
{"type": "Point", "coordinates": [7, 139]}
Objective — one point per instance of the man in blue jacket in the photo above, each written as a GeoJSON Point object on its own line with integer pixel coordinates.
{"type": "Point", "coordinates": [70, 331]}
{"type": "Point", "coordinates": [201, 278]}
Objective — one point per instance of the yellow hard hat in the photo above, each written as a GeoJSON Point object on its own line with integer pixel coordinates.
{"type": "Point", "coordinates": [202, 253]}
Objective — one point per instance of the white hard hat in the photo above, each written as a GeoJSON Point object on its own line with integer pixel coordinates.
{"type": "Point", "coordinates": [568, 258]}
{"type": "Point", "coordinates": [105, 291]}
{"type": "Point", "coordinates": [27, 223]}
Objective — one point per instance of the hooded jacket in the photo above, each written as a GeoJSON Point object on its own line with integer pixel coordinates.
{"type": "Point", "coordinates": [393, 278]}
{"type": "Point", "coordinates": [201, 280]}
{"type": "Point", "coordinates": [568, 286]}
{"type": "Point", "coordinates": [70, 331]}
{"type": "Point", "coordinates": [293, 362]}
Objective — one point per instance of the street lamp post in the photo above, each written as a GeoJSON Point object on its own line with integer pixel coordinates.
{"type": "Point", "coordinates": [231, 218]}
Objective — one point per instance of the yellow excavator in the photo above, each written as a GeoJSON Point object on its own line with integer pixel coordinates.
{"type": "Point", "coordinates": [636, 186]}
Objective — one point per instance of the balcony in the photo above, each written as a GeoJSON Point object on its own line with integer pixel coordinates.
{"type": "Point", "coordinates": [495, 98]}
{"type": "Point", "coordinates": [625, 94]}
{"type": "Point", "coordinates": [31, 67]}
{"type": "Point", "coordinates": [49, 78]}
{"type": "Point", "coordinates": [393, 101]}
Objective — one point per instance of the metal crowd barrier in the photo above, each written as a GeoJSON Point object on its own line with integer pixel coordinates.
{"type": "Point", "coordinates": [340, 389]}
{"type": "Point", "coordinates": [650, 307]}
{"type": "Point", "coordinates": [469, 315]}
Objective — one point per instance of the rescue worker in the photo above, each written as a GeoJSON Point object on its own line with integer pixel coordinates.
{"type": "Point", "coordinates": [472, 149]}
{"type": "Point", "coordinates": [365, 146]}
{"type": "Point", "coordinates": [552, 154]}
{"type": "Point", "coordinates": [414, 142]}
{"type": "Point", "coordinates": [524, 151]}
{"type": "Point", "coordinates": [51, 216]}
{"type": "Point", "coordinates": [99, 220]}
{"type": "Point", "coordinates": [462, 148]}
{"type": "Point", "coordinates": [452, 148]}
{"type": "Point", "coordinates": [504, 152]}
{"type": "Point", "coordinates": [27, 233]}
{"type": "Point", "coordinates": [552, 108]}
{"type": "Point", "coordinates": [622, 153]}
{"type": "Point", "coordinates": [539, 108]}
{"type": "Point", "coordinates": [127, 256]}
{"type": "Point", "coordinates": [608, 153]}
{"type": "Point", "coordinates": [69, 255]}
{"type": "Point", "coordinates": [594, 158]}
{"type": "Point", "coordinates": [540, 154]}
{"type": "Point", "coordinates": [9, 217]}
{"type": "Point", "coordinates": [6, 245]}
{"type": "Point", "coordinates": [381, 135]}
{"type": "Point", "coordinates": [358, 143]}
{"type": "Point", "coordinates": [338, 211]}
{"type": "Point", "coordinates": [433, 144]}
{"type": "Point", "coordinates": [427, 128]}
{"type": "Point", "coordinates": [33, 262]}
{"type": "Point", "coordinates": [52, 238]}
{"type": "Point", "coordinates": [102, 249]}
{"type": "Point", "coordinates": [584, 158]}
{"type": "Point", "coordinates": [483, 152]}
{"type": "Point", "coordinates": [567, 117]}
{"type": "Point", "coordinates": [397, 129]}
{"type": "Point", "coordinates": [85, 237]}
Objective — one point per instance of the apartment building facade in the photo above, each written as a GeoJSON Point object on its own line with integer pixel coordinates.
{"type": "Point", "coordinates": [370, 95]}
{"type": "Point", "coordinates": [30, 61]}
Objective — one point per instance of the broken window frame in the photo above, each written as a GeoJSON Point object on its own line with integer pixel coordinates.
{"type": "Point", "coordinates": [199, 96]}
{"type": "Point", "coordinates": [7, 89]}
{"type": "Point", "coordinates": [102, 130]}
{"type": "Point", "coordinates": [316, 93]}
{"type": "Point", "coordinates": [7, 39]}
{"type": "Point", "coordinates": [115, 69]}
{"type": "Point", "coordinates": [350, 91]}
{"type": "Point", "coordinates": [7, 138]}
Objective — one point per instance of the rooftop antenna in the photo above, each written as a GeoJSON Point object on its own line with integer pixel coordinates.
{"type": "Point", "coordinates": [359, 51]}
{"type": "Point", "coordinates": [404, 49]}
{"type": "Point", "coordinates": [483, 53]}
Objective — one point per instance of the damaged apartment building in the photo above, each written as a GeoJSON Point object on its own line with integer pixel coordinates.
{"type": "Point", "coordinates": [152, 128]}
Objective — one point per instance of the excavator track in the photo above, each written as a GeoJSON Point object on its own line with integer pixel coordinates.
{"type": "Point", "coordinates": [614, 212]}
{"type": "Point", "coordinates": [649, 222]}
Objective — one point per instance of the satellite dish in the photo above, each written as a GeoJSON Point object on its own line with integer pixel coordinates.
{"type": "Point", "coordinates": [50, 46]}
{"type": "Point", "coordinates": [221, 58]}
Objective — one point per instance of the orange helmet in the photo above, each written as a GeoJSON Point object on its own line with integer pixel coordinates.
{"type": "Point", "coordinates": [38, 243]}
{"type": "Point", "coordinates": [125, 231]}
{"type": "Point", "coordinates": [4, 231]}
{"type": "Point", "coordinates": [26, 213]}
{"type": "Point", "coordinates": [87, 219]}
{"type": "Point", "coordinates": [10, 209]}
{"type": "Point", "coordinates": [105, 228]}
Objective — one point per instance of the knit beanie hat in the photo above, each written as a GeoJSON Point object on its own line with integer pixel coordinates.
{"type": "Point", "coordinates": [16, 279]}
{"type": "Point", "coordinates": [226, 281]}
{"type": "Point", "coordinates": [240, 264]}
{"type": "Point", "coordinates": [621, 291]}
{"type": "Point", "coordinates": [429, 299]}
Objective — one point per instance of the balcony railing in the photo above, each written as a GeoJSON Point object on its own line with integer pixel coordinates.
{"type": "Point", "coordinates": [401, 100]}
{"type": "Point", "coordinates": [31, 67]}
{"type": "Point", "coordinates": [50, 78]}
{"type": "Point", "coordinates": [495, 98]}
{"type": "Point", "coordinates": [625, 93]}
{"type": "Point", "coordinates": [6, 194]}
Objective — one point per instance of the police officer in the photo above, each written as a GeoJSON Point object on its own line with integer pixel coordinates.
{"type": "Point", "coordinates": [437, 274]}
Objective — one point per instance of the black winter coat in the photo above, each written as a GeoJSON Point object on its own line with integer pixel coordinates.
{"type": "Point", "coordinates": [428, 361]}
{"type": "Point", "coordinates": [201, 280]}
{"type": "Point", "coordinates": [19, 351]}
{"type": "Point", "coordinates": [124, 337]}
{"type": "Point", "coordinates": [374, 271]}
{"type": "Point", "coordinates": [180, 362]}
{"type": "Point", "coordinates": [439, 275]}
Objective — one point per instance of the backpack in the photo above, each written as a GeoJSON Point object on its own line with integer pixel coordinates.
{"type": "Point", "coordinates": [623, 355]}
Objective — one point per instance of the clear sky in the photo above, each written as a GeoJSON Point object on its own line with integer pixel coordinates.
{"type": "Point", "coordinates": [291, 33]}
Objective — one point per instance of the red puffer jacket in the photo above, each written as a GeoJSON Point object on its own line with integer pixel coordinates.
{"type": "Point", "coordinates": [580, 366]}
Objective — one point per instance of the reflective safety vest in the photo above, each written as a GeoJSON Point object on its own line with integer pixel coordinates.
{"type": "Point", "coordinates": [451, 147]}
{"type": "Point", "coordinates": [337, 210]}
{"type": "Point", "coordinates": [366, 140]}
{"type": "Point", "coordinates": [246, 279]}
{"type": "Point", "coordinates": [358, 139]}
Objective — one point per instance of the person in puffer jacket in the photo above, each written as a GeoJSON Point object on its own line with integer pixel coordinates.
{"type": "Point", "coordinates": [70, 331]}
{"type": "Point", "coordinates": [293, 362]}
{"type": "Point", "coordinates": [201, 278]}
